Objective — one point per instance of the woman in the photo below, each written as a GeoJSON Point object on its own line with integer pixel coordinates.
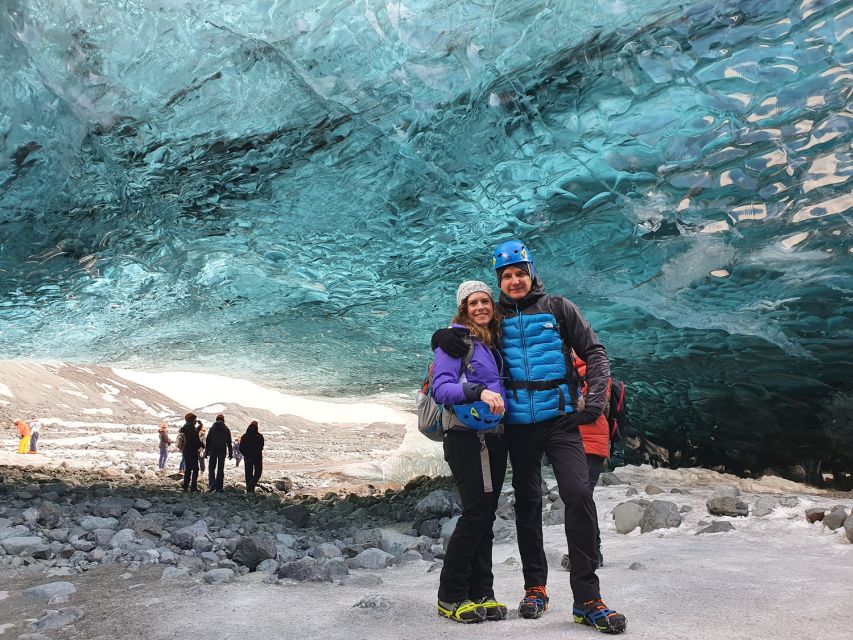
{"type": "Point", "coordinates": [165, 443]}
{"type": "Point", "coordinates": [23, 436]}
{"type": "Point", "coordinates": [252, 447]}
{"type": "Point", "coordinates": [237, 454]}
{"type": "Point", "coordinates": [465, 592]}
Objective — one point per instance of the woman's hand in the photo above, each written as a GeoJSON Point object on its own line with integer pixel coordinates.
{"type": "Point", "coordinates": [494, 400]}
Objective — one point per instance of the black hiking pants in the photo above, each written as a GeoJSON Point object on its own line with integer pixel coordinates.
{"type": "Point", "coordinates": [190, 471]}
{"type": "Point", "coordinates": [216, 470]}
{"type": "Point", "coordinates": [595, 465]}
{"type": "Point", "coordinates": [561, 441]}
{"type": "Point", "coordinates": [253, 468]}
{"type": "Point", "coordinates": [467, 569]}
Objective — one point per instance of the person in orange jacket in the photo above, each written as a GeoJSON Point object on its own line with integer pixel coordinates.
{"type": "Point", "coordinates": [596, 443]}
{"type": "Point", "coordinates": [23, 436]}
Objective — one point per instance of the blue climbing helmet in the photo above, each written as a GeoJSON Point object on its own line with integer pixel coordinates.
{"type": "Point", "coordinates": [476, 415]}
{"type": "Point", "coordinates": [512, 252]}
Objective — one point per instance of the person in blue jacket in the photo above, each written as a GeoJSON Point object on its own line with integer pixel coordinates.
{"type": "Point", "coordinates": [476, 454]}
{"type": "Point", "coordinates": [543, 412]}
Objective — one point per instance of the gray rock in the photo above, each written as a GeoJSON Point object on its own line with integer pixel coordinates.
{"type": "Point", "coordinates": [285, 539]}
{"type": "Point", "coordinates": [141, 504]}
{"type": "Point", "coordinates": [412, 555]}
{"type": "Point", "coordinates": [637, 566]}
{"type": "Point", "coordinates": [628, 516]}
{"type": "Point", "coordinates": [185, 536]}
{"type": "Point", "coordinates": [835, 519]}
{"type": "Point", "coordinates": [448, 528]}
{"type": "Point", "coordinates": [307, 570]}
{"type": "Point", "coordinates": [554, 515]}
{"type": "Point", "coordinates": [90, 523]}
{"type": "Point", "coordinates": [371, 559]}
{"type": "Point", "coordinates": [326, 551]}
{"type": "Point", "coordinates": [764, 505]}
{"type": "Point", "coordinates": [284, 484]}
{"type": "Point", "coordinates": [848, 528]}
{"type": "Point", "coordinates": [22, 544]}
{"type": "Point", "coordinates": [267, 566]}
{"type": "Point", "coordinates": [609, 479]}
{"type": "Point", "coordinates": [18, 531]}
{"type": "Point", "coordinates": [286, 554]}
{"type": "Point", "coordinates": [503, 530]}
{"type": "Point", "coordinates": [219, 576]}
{"type": "Point", "coordinates": [364, 580]}
{"type": "Point", "coordinates": [726, 491]}
{"type": "Point", "coordinates": [631, 492]}
{"type": "Point", "coordinates": [437, 504]}
{"type": "Point", "coordinates": [337, 567]}
{"type": "Point", "coordinates": [652, 490]}
{"type": "Point", "coordinates": [430, 527]}
{"type": "Point", "coordinates": [789, 501]}
{"type": "Point", "coordinates": [373, 601]}
{"type": "Point", "coordinates": [397, 543]}
{"type": "Point", "coordinates": [685, 508]}
{"type": "Point", "coordinates": [720, 526]}
{"type": "Point", "coordinates": [123, 538]}
{"type": "Point", "coordinates": [727, 506]}
{"type": "Point", "coordinates": [58, 535]}
{"type": "Point", "coordinates": [103, 537]}
{"type": "Point", "coordinates": [53, 619]}
{"type": "Point", "coordinates": [298, 514]}
{"type": "Point", "coordinates": [660, 514]}
{"type": "Point", "coordinates": [49, 593]}
{"type": "Point", "coordinates": [252, 550]}
{"type": "Point", "coordinates": [48, 515]}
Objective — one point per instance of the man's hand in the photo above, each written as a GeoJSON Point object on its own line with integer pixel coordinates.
{"type": "Point", "coordinates": [451, 341]}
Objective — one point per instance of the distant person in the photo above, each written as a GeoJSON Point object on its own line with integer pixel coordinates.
{"type": "Point", "coordinates": [477, 458]}
{"type": "Point", "coordinates": [252, 446]}
{"type": "Point", "coordinates": [35, 429]}
{"type": "Point", "coordinates": [191, 447]}
{"type": "Point", "coordinates": [23, 436]}
{"type": "Point", "coordinates": [238, 453]}
{"type": "Point", "coordinates": [165, 443]}
{"type": "Point", "coordinates": [217, 444]}
{"type": "Point", "coordinates": [202, 436]}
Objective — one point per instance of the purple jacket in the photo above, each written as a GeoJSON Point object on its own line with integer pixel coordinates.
{"type": "Point", "coordinates": [484, 370]}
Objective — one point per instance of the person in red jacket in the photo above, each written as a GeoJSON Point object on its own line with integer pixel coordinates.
{"type": "Point", "coordinates": [596, 444]}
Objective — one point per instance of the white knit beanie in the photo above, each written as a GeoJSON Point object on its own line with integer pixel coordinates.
{"type": "Point", "coordinates": [472, 286]}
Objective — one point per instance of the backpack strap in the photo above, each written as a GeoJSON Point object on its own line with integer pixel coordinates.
{"type": "Point", "coordinates": [557, 311]}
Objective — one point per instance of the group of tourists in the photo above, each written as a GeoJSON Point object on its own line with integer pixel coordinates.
{"type": "Point", "coordinates": [197, 445]}
{"type": "Point", "coordinates": [28, 435]}
{"type": "Point", "coordinates": [517, 394]}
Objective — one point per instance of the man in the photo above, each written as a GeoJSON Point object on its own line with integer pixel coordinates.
{"type": "Point", "coordinates": [190, 451]}
{"type": "Point", "coordinates": [542, 417]}
{"type": "Point", "coordinates": [35, 429]}
{"type": "Point", "coordinates": [218, 440]}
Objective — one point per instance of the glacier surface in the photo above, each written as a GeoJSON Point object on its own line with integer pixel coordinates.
{"type": "Point", "coordinates": [291, 191]}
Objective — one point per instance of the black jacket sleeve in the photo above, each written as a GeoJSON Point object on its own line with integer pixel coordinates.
{"type": "Point", "coordinates": [228, 441]}
{"type": "Point", "coordinates": [586, 344]}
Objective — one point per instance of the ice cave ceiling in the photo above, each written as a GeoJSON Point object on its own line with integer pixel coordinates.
{"type": "Point", "coordinates": [291, 191]}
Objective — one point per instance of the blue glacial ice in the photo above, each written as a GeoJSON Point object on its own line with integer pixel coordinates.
{"type": "Point", "coordinates": [291, 191]}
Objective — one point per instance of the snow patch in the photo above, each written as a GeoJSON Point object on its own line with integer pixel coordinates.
{"type": "Point", "coordinates": [213, 408]}
{"type": "Point", "coordinates": [6, 391]}
{"type": "Point", "coordinates": [74, 393]}
{"type": "Point", "coordinates": [106, 411]}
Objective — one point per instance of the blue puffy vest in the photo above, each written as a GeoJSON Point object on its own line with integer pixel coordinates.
{"type": "Point", "coordinates": [539, 387]}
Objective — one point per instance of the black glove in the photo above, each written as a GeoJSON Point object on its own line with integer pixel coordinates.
{"type": "Point", "coordinates": [451, 341]}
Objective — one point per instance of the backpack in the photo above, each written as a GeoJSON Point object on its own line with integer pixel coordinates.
{"type": "Point", "coordinates": [616, 409]}
{"type": "Point", "coordinates": [429, 411]}
{"type": "Point", "coordinates": [180, 441]}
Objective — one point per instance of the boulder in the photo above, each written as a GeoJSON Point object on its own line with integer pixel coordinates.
{"type": "Point", "coordinates": [298, 514]}
{"type": "Point", "coordinates": [326, 551]}
{"type": "Point", "coordinates": [123, 538]}
{"type": "Point", "coordinates": [660, 514]}
{"type": "Point", "coordinates": [815, 515]}
{"type": "Point", "coordinates": [90, 523]}
{"type": "Point", "coordinates": [628, 516]}
{"type": "Point", "coordinates": [727, 506]}
{"type": "Point", "coordinates": [726, 491]}
{"type": "Point", "coordinates": [252, 550]}
{"type": "Point", "coordinates": [652, 490]}
{"type": "Point", "coordinates": [448, 528]}
{"type": "Point", "coordinates": [609, 479]}
{"type": "Point", "coordinates": [397, 543]}
{"type": "Point", "coordinates": [49, 593]}
{"type": "Point", "coordinates": [848, 528]}
{"type": "Point", "coordinates": [23, 544]}
{"type": "Point", "coordinates": [219, 576]}
{"type": "Point", "coordinates": [764, 505]}
{"type": "Point", "coordinates": [371, 559]}
{"type": "Point", "coordinates": [57, 619]}
{"type": "Point", "coordinates": [306, 570]}
{"type": "Point", "coordinates": [437, 504]}
{"type": "Point", "coordinates": [185, 536]}
{"type": "Point", "coordinates": [719, 526]}
{"type": "Point", "coordinates": [836, 518]}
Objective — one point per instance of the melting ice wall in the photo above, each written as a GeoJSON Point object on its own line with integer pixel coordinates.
{"type": "Point", "coordinates": [292, 191]}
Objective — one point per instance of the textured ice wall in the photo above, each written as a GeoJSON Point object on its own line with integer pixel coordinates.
{"type": "Point", "coordinates": [293, 190]}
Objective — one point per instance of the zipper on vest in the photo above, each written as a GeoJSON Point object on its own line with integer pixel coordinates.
{"type": "Point", "coordinates": [526, 365]}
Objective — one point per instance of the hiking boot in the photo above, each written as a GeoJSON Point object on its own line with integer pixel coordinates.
{"type": "Point", "coordinates": [594, 613]}
{"type": "Point", "coordinates": [464, 611]}
{"type": "Point", "coordinates": [534, 603]}
{"type": "Point", "coordinates": [494, 610]}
